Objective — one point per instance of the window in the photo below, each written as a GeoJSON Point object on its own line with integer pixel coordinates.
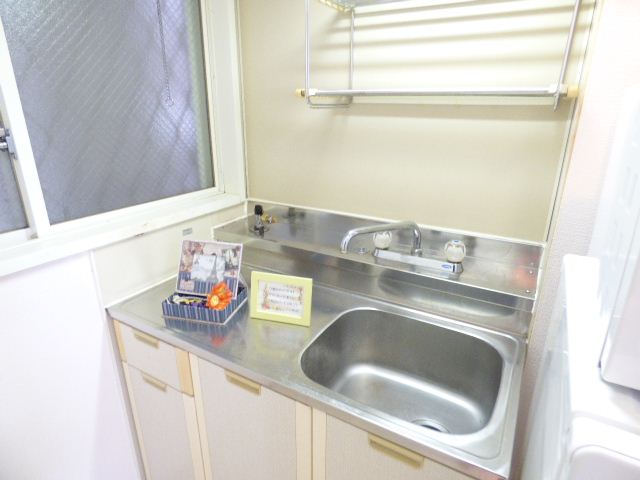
{"type": "Point", "coordinates": [115, 101]}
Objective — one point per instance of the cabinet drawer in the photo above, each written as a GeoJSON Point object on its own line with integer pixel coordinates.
{"type": "Point", "coordinates": [162, 361]}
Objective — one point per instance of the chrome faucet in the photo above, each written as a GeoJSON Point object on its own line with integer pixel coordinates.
{"type": "Point", "coordinates": [416, 248]}
{"type": "Point", "coordinates": [454, 250]}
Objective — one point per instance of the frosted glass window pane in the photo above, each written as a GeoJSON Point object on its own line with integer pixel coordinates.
{"type": "Point", "coordinates": [115, 100]}
{"type": "Point", "coordinates": [11, 212]}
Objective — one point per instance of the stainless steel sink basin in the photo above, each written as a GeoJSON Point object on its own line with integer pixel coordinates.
{"type": "Point", "coordinates": [435, 377]}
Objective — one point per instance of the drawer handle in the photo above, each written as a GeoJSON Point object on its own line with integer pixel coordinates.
{"type": "Point", "coordinates": [148, 339]}
{"type": "Point", "coordinates": [396, 451]}
{"type": "Point", "coordinates": [152, 381]}
{"type": "Point", "coordinates": [245, 383]}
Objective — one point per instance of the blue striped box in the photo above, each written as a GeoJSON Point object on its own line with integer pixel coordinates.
{"type": "Point", "coordinates": [206, 315]}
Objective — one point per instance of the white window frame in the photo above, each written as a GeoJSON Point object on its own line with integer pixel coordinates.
{"type": "Point", "coordinates": [42, 241]}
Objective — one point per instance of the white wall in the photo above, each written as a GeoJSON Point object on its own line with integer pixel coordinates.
{"type": "Point", "coordinates": [614, 65]}
{"type": "Point", "coordinates": [485, 168]}
{"type": "Point", "coordinates": [64, 413]}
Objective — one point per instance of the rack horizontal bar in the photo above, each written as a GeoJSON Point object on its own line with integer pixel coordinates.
{"type": "Point", "coordinates": [551, 91]}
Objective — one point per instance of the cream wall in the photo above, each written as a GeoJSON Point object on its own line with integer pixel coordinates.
{"type": "Point", "coordinates": [487, 168]}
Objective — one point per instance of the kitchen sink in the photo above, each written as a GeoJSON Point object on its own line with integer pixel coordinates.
{"type": "Point", "coordinates": [437, 385]}
{"type": "Point", "coordinates": [435, 377]}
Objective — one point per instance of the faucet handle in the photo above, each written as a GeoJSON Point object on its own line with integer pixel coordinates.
{"type": "Point", "coordinates": [455, 251]}
{"type": "Point", "coordinates": [382, 240]}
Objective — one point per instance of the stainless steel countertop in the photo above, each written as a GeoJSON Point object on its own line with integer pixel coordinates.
{"type": "Point", "coordinates": [269, 353]}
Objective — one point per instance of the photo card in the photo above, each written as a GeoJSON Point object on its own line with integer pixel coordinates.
{"type": "Point", "coordinates": [205, 264]}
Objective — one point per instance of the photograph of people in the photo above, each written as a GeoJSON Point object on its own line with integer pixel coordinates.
{"type": "Point", "coordinates": [209, 263]}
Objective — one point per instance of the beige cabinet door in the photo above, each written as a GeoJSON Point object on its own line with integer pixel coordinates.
{"type": "Point", "coordinates": [252, 433]}
{"type": "Point", "coordinates": [167, 428]}
{"type": "Point", "coordinates": [344, 452]}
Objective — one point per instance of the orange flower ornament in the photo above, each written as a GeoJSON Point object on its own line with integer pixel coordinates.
{"type": "Point", "coordinates": [220, 297]}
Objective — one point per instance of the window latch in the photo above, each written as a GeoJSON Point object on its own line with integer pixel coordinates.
{"type": "Point", "coordinates": [6, 140]}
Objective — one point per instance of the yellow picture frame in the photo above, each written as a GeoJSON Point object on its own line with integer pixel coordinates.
{"type": "Point", "coordinates": [281, 298]}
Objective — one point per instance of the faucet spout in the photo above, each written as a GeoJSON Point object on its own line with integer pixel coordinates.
{"type": "Point", "coordinates": [416, 247]}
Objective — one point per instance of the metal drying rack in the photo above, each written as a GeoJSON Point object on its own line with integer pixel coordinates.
{"type": "Point", "coordinates": [555, 91]}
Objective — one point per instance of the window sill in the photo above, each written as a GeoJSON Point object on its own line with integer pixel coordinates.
{"type": "Point", "coordinates": [92, 233]}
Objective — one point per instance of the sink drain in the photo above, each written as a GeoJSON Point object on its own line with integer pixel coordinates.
{"type": "Point", "coordinates": [430, 424]}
